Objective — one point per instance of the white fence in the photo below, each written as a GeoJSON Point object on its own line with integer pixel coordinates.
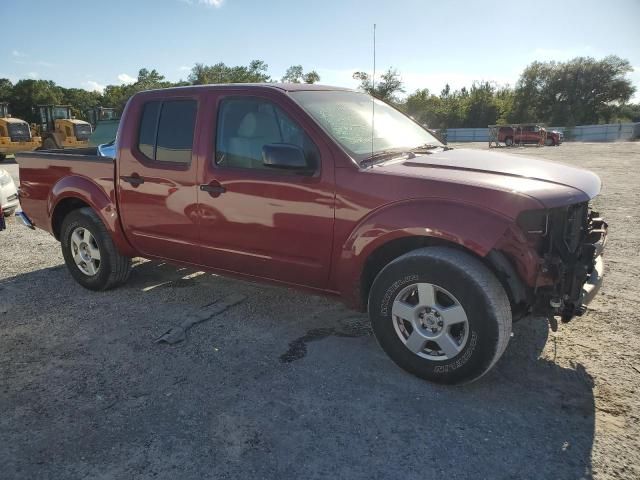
{"type": "Point", "coordinates": [610, 132]}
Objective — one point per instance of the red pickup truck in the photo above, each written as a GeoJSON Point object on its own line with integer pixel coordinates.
{"type": "Point", "coordinates": [286, 183]}
{"type": "Point", "coordinates": [534, 134]}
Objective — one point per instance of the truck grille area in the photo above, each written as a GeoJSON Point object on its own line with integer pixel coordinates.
{"type": "Point", "coordinates": [575, 237]}
{"type": "Point", "coordinates": [19, 132]}
{"type": "Point", "coordinates": [569, 228]}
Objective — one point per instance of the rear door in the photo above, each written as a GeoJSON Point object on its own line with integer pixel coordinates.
{"type": "Point", "coordinates": [530, 134]}
{"type": "Point", "coordinates": [157, 179]}
{"type": "Point", "coordinates": [260, 221]}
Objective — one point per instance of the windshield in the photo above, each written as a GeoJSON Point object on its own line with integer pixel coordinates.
{"type": "Point", "coordinates": [347, 117]}
{"type": "Point", "coordinates": [60, 112]}
{"type": "Point", "coordinates": [107, 114]}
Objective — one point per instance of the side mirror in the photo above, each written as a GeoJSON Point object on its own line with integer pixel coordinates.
{"type": "Point", "coordinates": [284, 156]}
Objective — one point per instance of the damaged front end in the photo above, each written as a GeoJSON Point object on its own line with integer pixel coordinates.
{"type": "Point", "coordinates": [551, 261]}
{"type": "Point", "coordinates": [571, 248]}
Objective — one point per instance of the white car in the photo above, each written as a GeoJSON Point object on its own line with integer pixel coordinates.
{"type": "Point", "coordinates": [8, 193]}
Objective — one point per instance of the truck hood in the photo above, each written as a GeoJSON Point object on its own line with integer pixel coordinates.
{"type": "Point", "coordinates": [551, 183]}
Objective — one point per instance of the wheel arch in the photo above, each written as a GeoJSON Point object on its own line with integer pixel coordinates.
{"type": "Point", "coordinates": [392, 232]}
{"type": "Point", "coordinates": [495, 260]}
{"type": "Point", "coordinates": [73, 192]}
{"type": "Point", "coordinates": [63, 208]}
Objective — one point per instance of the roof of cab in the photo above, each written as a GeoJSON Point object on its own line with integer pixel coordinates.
{"type": "Point", "coordinates": [285, 87]}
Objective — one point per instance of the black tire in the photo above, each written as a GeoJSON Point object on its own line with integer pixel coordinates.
{"type": "Point", "coordinates": [2, 157]}
{"type": "Point", "coordinates": [49, 144]}
{"type": "Point", "coordinates": [113, 268]}
{"type": "Point", "coordinates": [508, 141]}
{"type": "Point", "coordinates": [477, 290]}
{"type": "Point", "coordinates": [549, 142]}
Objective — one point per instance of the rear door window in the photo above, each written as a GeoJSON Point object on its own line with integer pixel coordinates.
{"type": "Point", "coordinates": [175, 131]}
{"type": "Point", "coordinates": [148, 127]}
{"type": "Point", "coordinates": [166, 131]}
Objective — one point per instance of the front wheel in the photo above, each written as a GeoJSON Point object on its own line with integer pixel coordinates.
{"type": "Point", "coordinates": [89, 252]}
{"type": "Point", "coordinates": [440, 314]}
{"type": "Point", "coordinates": [508, 141]}
{"type": "Point", "coordinates": [549, 142]}
{"type": "Point", "coordinates": [2, 157]}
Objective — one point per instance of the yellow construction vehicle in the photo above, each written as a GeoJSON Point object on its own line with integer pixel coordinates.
{"type": "Point", "coordinates": [59, 129]}
{"type": "Point", "coordinates": [105, 121]}
{"type": "Point", "coordinates": [15, 134]}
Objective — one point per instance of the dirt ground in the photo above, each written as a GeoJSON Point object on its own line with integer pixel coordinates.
{"type": "Point", "coordinates": [288, 385]}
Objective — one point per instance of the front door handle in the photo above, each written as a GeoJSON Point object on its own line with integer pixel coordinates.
{"type": "Point", "coordinates": [213, 189]}
{"type": "Point", "coordinates": [134, 179]}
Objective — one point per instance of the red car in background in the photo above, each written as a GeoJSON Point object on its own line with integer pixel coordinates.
{"type": "Point", "coordinates": [529, 134]}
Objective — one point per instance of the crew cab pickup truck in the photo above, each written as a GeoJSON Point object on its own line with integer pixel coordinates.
{"type": "Point", "coordinates": [536, 134]}
{"type": "Point", "coordinates": [288, 184]}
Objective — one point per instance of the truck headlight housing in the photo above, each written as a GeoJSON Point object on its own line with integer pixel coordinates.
{"type": "Point", "coordinates": [534, 222]}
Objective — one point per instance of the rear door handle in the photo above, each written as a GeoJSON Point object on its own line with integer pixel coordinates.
{"type": "Point", "coordinates": [213, 189]}
{"type": "Point", "coordinates": [134, 179]}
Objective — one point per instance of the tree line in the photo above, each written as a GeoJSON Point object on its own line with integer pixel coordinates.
{"type": "Point", "coordinates": [577, 92]}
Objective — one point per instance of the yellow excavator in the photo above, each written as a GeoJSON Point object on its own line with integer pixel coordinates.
{"type": "Point", "coordinates": [59, 129]}
{"type": "Point", "coordinates": [15, 134]}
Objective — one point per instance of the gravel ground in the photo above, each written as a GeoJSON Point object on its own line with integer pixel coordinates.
{"type": "Point", "coordinates": [288, 385]}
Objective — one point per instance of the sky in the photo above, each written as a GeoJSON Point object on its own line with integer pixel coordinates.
{"type": "Point", "coordinates": [93, 43]}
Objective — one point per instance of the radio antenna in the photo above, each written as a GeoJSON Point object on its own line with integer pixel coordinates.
{"type": "Point", "coordinates": [373, 91]}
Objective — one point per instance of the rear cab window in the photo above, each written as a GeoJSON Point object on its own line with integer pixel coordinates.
{"type": "Point", "coordinates": [167, 130]}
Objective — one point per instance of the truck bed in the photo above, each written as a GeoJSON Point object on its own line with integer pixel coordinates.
{"type": "Point", "coordinates": [48, 175]}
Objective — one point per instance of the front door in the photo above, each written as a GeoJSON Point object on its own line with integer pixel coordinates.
{"type": "Point", "coordinates": [261, 221]}
{"type": "Point", "coordinates": [157, 181]}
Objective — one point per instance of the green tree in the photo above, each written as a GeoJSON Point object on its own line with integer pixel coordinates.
{"type": "Point", "coordinates": [504, 98]}
{"type": "Point", "coordinates": [295, 74]}
{"type": "Point", "coordinates": [629, 113]}
{"type": "Point", "coordinates": [311, 77]}
{"type": "Point", "coordinates": [386, 89]}
{"type": "Point", "coordinates": [117, 95]}
{"type": "Point", "coordinates": [480, 106]}
{"type": "Point", "coordinates": [255, 72]}
{"type": "Point", "coordinates": [80, 100]}
{"type": "Point", "coordinates": [6, 89]}
{"type": "Point", "coordinates": [577, 92]}
{"type": "Point", "coordinates": [27, 94]}
{"type": "Point", "coordinates": [148, 80]}
{"type": "Point", "coordinates": [425, 108]}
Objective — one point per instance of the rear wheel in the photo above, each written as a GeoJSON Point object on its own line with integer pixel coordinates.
{"type": "Point", "coordinates": [89, 252]}
{"type": "Point", "coordinates": [549, 142]}
{"type": "Point", "coordinates": [2, 157]}
{"type": "Point", "coordinates": [508, 141]}
{"type": "Point", "coordinates": [440, 314]}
